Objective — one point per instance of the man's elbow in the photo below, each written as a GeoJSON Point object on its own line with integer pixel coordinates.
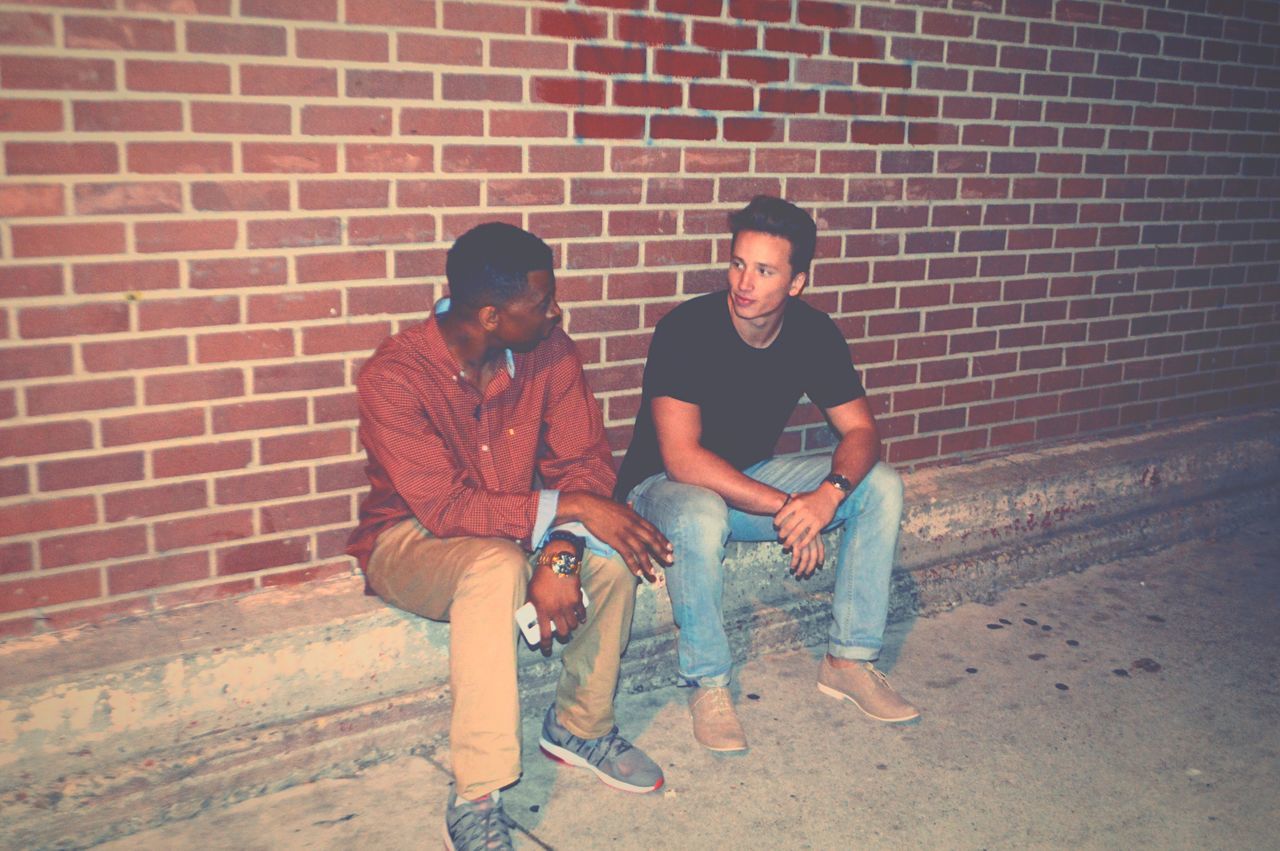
{"type": "Point", "coordinates": [679, 469]}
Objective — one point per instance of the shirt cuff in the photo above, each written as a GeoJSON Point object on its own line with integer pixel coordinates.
{"type": "Point", "coordinates": [548, 504]}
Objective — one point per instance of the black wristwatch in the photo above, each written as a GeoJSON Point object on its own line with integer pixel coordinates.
{"type": "Point", "coordinates": [564, 564]}
{"type": "Point", "coordinates": [840, 483]}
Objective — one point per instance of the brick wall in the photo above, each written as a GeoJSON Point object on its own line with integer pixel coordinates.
{"type": "Point", "coordinates": [1039, 220]}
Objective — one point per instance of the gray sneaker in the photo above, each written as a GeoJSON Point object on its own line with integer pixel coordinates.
{"type": "Point", "coordinates": [612, 758]}
{"type": "Point", "coordinates": [477, 825]}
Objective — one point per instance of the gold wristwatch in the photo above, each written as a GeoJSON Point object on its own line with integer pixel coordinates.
{"type": "Point", "coordinates": [563, 563]}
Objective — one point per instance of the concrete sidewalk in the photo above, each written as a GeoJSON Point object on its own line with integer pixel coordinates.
{"type": "Point", "coordinates": [1136, 704]}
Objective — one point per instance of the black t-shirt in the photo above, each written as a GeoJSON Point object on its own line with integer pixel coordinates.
{"type": "Point", "coordinates": [745, 394]}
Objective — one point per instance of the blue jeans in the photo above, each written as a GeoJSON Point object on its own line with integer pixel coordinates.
{"type": "Point", "coordinates": [699, 524]}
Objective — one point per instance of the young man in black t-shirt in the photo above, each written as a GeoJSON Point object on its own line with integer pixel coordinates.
{"type": "Point", "coordinates": [724, 374]}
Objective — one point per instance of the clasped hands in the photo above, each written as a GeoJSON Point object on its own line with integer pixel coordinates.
{"type": "Point", "coordinates": [800, 522]}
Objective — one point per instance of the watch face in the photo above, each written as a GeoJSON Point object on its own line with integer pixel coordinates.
{"type": "Point", "coordinates": [840, 482]}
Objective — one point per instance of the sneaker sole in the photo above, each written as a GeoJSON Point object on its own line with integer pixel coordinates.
{"type": "Point", "coordinates": [839, 695]}
{"type": "Point", "coordinates": [559, 754]}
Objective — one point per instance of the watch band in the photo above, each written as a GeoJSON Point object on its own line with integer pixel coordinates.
{"type": "Point", "coordinates": [563, 564]}
{"type": "Point", "coordinates": [840, 483]}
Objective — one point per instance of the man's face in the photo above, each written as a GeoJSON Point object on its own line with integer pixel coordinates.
{"type": "Point", "coordinates": [529, 318]}
{"type": "Point", "coordinates": [760, 277]}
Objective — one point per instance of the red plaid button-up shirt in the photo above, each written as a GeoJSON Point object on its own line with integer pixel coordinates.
{"type": "Point", "coordinates": [462, 461]}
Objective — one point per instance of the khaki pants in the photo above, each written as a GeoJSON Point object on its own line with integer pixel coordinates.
{"type": "Point", "coordinates": [476, 584]}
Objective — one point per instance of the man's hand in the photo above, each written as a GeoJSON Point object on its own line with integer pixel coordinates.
{"type": "Point", "coordinates": [801, 520]}
{"type": "Point", "coordinates": [808, 559]}
{"type": "Point", "coordinates": [637, 541]}
{"type": "Point", "coordinates": [556, 598]}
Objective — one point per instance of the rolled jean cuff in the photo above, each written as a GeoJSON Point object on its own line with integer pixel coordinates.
{"type": "Point", "coordinates": [716, 681]}
{"type": "Point", "coordinates": [853, 654]}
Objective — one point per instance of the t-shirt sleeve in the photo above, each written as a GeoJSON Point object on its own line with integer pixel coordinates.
{"type": "Point", "coordinates": [834, 381]}
{"type": "Point", "coordinates": [672, 364]}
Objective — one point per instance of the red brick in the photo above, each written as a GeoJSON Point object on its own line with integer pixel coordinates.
{"type": "Point", "coordinates": [88, 547]}
{"type": "Point", "coordinates": [481, 158]}
{"type": "Point", "coordinates": [759, 69]}
{"type": "Point", "coordinates": [205, 529]}
{"type": "Point", "coordinates": [282, 378]}
{"type": "Point", "coordinates": [38, 592]}
{"type": "Point", "coordinates": [151, 197]}
{"type": "Point", "coordinates": [79, 396]}
{"type": "Point", "coordinates": [102, 318]}
{"type": "Point", "coordinates": [242, 118]}
{"type": "Point", "coordinates": [206, 235]}
{"type": "Point", "coordinates": [572, 92]}
{"type": "Point", "coordinates": [389, 157]}
{"type": "Point", "coordinates": [61, 158]}
{"type": "Point", "coordinates": [45, 438]}
{"type": "Point", "coordinates": [288, 80]}
{"type": "Point", "coordinates": [188, 312]}
{"type": "Point", "coordinates": [682, 127]}
{"type": "Point", "coordinates": [402, 298]}
{"type": "Point", "coordinates": [305, 445]}
{"type": "Point", "coordinates": [35, 362]}
{"type": "Point", "coordinates": [193, 386]}
{"type": "Point", "coordinates": [87, 472]}
{"type": "Point", "coordinates": [792, 101]}
{"type": "Point", "coordinates": [22, 115]}
{"type": "Point", "coordinates": [345, 266]}
{"type": "Point", "coordinates": [153, 501]}
{"type": "Point", "coordinates": [103, 33]}
{"type": "Point", "coordinates": [344, 475]}
{"type": "Point", "coordinates": [292, 307]}
{"type": "Point", "coordinates": [294, 233]}
{"type": "Point", "coordinates": [331, 44]}
{"type": "Point", "coordinates": [532, 192]}
{"type": "Point", "coordinates": [721, 98]}
{"type": "Point", "coordinates": [45, 515]}
{"type": "Point", "coordinates": [150, 573]}
{"type": "Point", "coordinates": [238, 272]}
{"type": "Point", "coordinates": [650, 30]}
{"type": "Point", "coordinates": [240, 195]}
{"type": "Point", "coordinates": [346, 121]}
{"type": "Point", "coordinates": [271, 413]}
{"type": "Point", "coordinates": [752, 130]}
{"type": "Point", "coordinates": [67, 240]}
{"type": "Point", "coordinates": [398, 13]}
{"type": "Point", "coordinates": [121, 355]}
{"type": "Point", "coordinates": [249, 39]}
{"type": "Point", "coordinates": [486, 87]}
{"type": "Point", "coordinates": [305, 514]}
{"type": "Point", "coordinates": [857, 46]}
{"type": "Point", "coordinates": [295, 10]}
{"type": "Point", "coordinates": [259, 487]}
{"type": "Point", "coordinates": [340, 407]}
{"type": "Point", "coordinates": [483, 17]}
{"type": "Point", "coordinates": [572, 24]}
{"type": "Point", "coordinates": [590, 58]}
{"type": "Point", "coordinates": [209, 78]}
{"type": "Point", "coordinates": [437, 193]}
{"type": "Point", "coordinates": [148, 428]}
{"type": "Point", "coordinates": [20, 28]}
{"type": "Point", "coordinates": [602, 126]}
{"type": "Point", "coordinates": [450, 122]}
{"type": "Point", "coordinates": [16, 558]}
{"type": "Point", "coordinates": [344, 338]}
{"type": "Point", "coordinates": [286, 157]}
{"type": "Point", "coordinates": [552, 124]}
{"type": "Point", "coordinates": [39, 72]}
{"type": "Point", "coordinates": [204, 593]}
{"type": "Point", "coordinates": [258, 556]}
{"type": "Point", "coordinates": [30, 199]}
{"type": "Point", "coordinates": [404, 85]}
{"type": "Point", "coordinates": [884, 76]}
{"type": "Point", "coordinates": [775, 11]}
{"type": "Point", "coordinates": [179, 157]}
{"type": "Point", "coordinates": [342, 194]}
{"type": "Point", "coordinates": [201, 458]}
{"type": "Point", "coordinates": [244, 345]}
{"type": "Point", "coordinates": [442, 49]}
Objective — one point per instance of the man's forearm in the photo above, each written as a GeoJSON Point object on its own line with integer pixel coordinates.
{"type": "Point", "coordinates": [704, 468]}
{"type": "Point", "coordinates": [855, 455]}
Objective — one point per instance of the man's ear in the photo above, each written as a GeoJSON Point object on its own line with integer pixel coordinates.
{"type": "Point", "coordinates": [797, 283]}
{"type": "Point", "coordinates": [487, 316]}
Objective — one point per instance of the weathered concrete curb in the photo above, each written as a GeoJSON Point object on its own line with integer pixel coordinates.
{"type": "Point", "coordinates": [106, 731]}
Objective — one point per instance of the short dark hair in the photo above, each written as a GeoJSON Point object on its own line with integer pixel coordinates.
{"type": "Point", "coordinates": [490, 264]}
{"type": "Point", "coordinates": [767, 214]}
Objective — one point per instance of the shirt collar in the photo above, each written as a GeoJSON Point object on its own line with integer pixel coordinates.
{"type": "Point", "coordinates": [442, 307]}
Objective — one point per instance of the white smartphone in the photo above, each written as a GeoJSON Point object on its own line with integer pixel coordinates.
{"type": "Point", "coordinates": [527, 620]}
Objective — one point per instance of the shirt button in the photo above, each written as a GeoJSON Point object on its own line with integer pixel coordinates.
{"type": "Point", "coordinates": [484, 447]}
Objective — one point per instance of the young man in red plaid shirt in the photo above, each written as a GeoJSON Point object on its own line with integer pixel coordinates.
{"type": "Point", "coordinates": [458, 415]}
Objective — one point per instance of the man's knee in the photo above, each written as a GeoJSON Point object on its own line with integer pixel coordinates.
{"type": "Point", "coordinates": [494, 566]}
{"type": "Point", "coordinates": [702, 519]}
{"type": "Point", "coordinates": [886, 490]}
